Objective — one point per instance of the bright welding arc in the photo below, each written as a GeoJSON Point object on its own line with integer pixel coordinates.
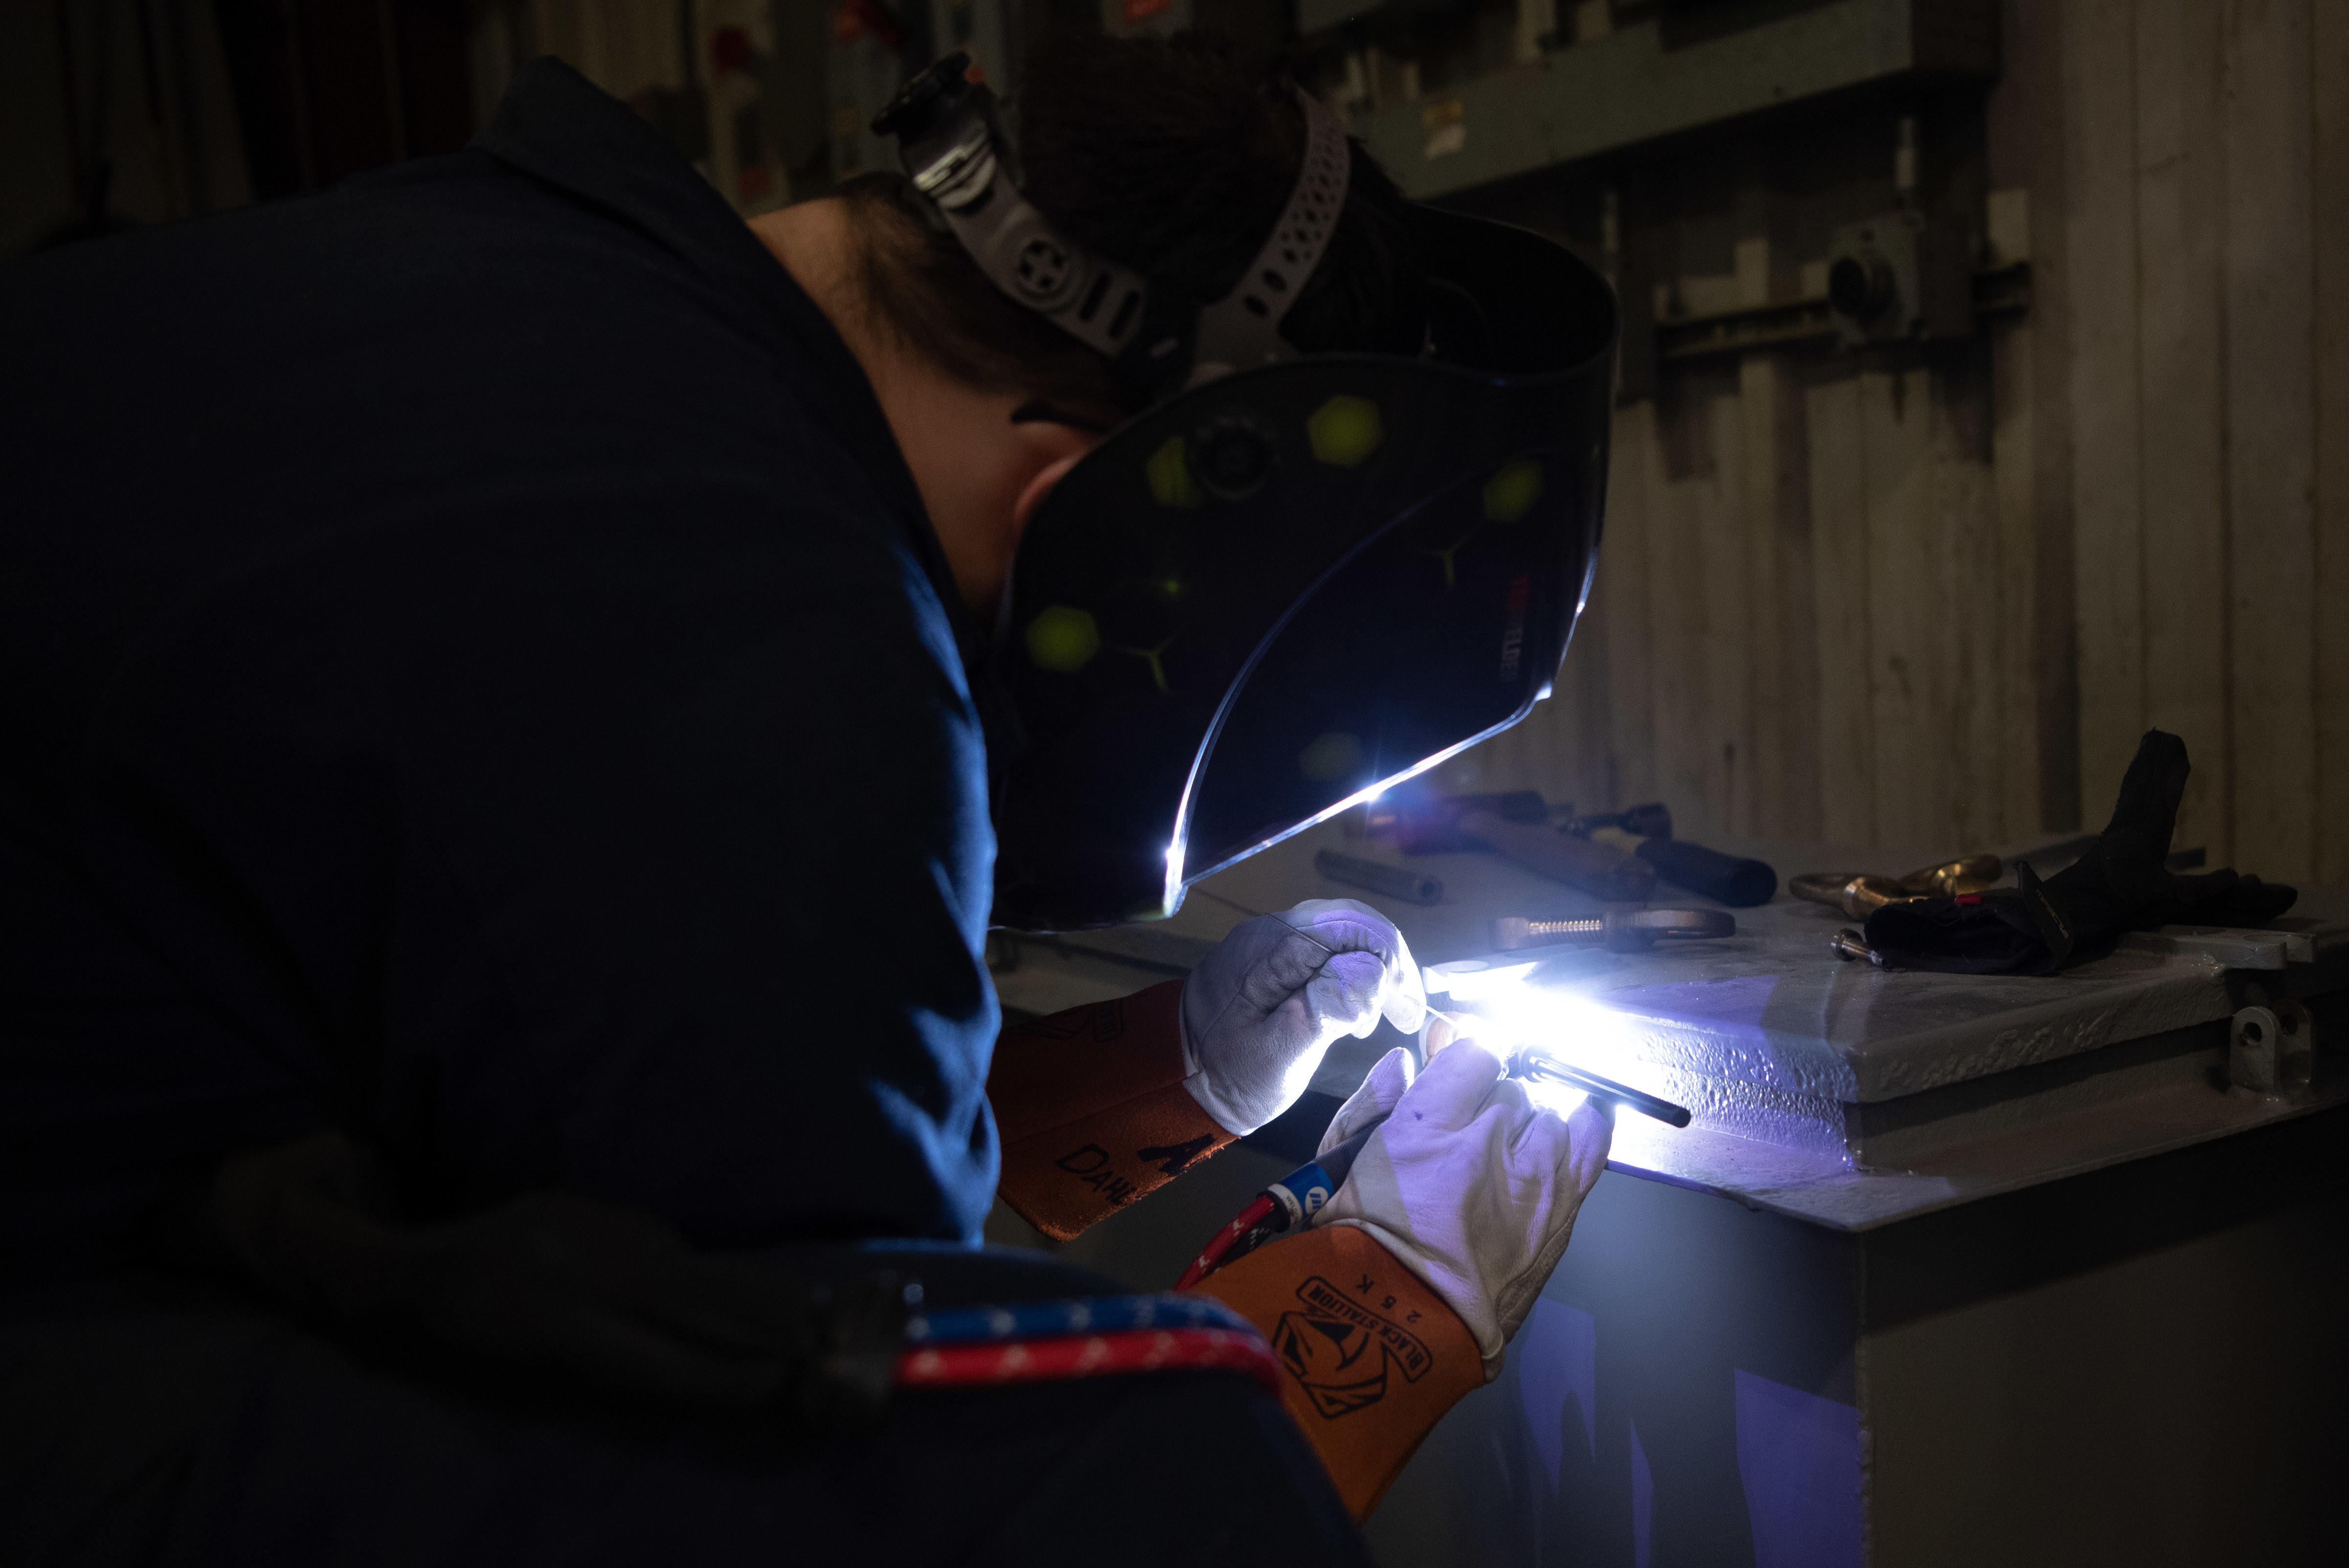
{"type": "Point", "coordinates": [1526, 1027]}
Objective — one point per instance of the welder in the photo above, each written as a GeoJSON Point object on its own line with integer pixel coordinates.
{"type": "Point", "coordinates": [520, 696]}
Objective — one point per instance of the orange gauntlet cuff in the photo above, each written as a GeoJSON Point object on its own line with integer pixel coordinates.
{"type": "Point", "coordinates": [1092, 1109]}
{"type": "Point", "coordinates": [1374, 1358]}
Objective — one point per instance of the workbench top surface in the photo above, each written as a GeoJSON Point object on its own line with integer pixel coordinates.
{"type": "Point", "coordinates": [1769, 1028]}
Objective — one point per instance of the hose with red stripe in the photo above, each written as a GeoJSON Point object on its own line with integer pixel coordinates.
{"type": "Point", "coordinates": [1211, 1256]}
{"type": "Point", "coordinates": [1288, 1204]}
{"type": "Point", "coordinates": [1095, 1356]}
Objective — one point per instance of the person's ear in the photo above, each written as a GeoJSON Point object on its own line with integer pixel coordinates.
{"type": "Point", "coordinates": [1039, 486]}
{"type": "Point", "coordinates": [1061, 447]}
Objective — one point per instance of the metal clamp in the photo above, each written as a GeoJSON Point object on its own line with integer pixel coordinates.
{"type": "Point", "coordinates": [1860, 894]}
{"type": "Point", "coordinates": [1857, 893]}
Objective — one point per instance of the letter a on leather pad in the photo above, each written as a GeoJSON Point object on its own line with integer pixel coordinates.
{"type": "Point", "coordinates": [1092, 1111]}
{"type": "Point", "coordinates": [1374, 1358]}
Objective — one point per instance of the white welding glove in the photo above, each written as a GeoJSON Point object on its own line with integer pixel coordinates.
{"type": "Point", "coordinates": [1383, 1088]}
{"type": "Point", "coordinates": [1471, 1185]}
{"type": "Point", "coordinates": [1264, 1005]}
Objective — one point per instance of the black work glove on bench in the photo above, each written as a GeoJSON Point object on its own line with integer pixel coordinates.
{"type": "Point", "coordinates": [2121, 885]}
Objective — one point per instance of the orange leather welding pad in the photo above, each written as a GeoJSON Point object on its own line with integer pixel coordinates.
{"type": "Point", "coordinates": [1092, 1109]}
{"type": "Point", "coordinates": [1374, 1358]}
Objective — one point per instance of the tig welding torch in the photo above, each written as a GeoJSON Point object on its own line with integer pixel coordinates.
{"type": "Point", "coordinates": [1532, 1061]}
{"type": "Point", "coordinates": [1532, 1064]}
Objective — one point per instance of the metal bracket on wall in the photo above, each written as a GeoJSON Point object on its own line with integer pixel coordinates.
{"type": "Point", "coordinates": [1667, 73]}
{"type": "Point", "coordinates": [1996, 291]}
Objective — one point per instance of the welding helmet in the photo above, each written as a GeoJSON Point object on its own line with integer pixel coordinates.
{"type": "Point", "coordinates": [1294, 580]}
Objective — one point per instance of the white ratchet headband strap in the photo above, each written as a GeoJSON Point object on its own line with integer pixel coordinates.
{"type": "Point", "coordinates": [959, 169]}
{"type": "Point", "coordinates": [1242, 330]}
{"type": "Point", "coordinates": [955, 153]}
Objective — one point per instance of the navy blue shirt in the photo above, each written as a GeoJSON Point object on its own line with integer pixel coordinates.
{"type": "Point", "coordinates": [474, 671]}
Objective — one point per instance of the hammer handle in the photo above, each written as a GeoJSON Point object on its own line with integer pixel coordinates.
{"type": "Point", "coordinates": [1598, 870]}
{"type": "Point", "coordinates": [1740, 883]}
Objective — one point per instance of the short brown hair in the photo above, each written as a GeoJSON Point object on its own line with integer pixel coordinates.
{"type": "Point", "coordinates": [1174, 157]}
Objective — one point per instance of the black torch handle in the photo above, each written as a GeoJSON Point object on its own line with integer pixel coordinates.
{"type": "Point", "coordinates": [1527, 1065]}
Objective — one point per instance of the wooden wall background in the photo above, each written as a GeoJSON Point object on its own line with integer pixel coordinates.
{"type": "Point", "coordinates": [1927, 597]}
{"type": "Point", "coordinates": [1934, 598]}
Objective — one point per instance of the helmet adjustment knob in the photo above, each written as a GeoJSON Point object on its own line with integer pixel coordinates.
{"type": "Point", "coordinates": [1231, 452]}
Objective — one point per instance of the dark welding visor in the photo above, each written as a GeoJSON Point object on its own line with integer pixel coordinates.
{"type": "Point", "coordinates": [1275, 594]}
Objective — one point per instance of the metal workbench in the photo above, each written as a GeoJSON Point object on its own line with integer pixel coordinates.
{"type": "Point", "coordinates": [1920, 1166]}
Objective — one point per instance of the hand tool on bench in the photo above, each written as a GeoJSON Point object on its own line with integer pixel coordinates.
{"type": "Point", "coordinates": [1856, 893]}
{"type": "Point", "coordinates": [1516, 822]}
{"type": "Point", "coordinates": [1646, 831]}
{"type": "Point", "coordinates": [1619, 930]}
{"type": "Point", "coordinates": [1602, 871]}
{"type": "Point", "coordinates": [1860, 894]}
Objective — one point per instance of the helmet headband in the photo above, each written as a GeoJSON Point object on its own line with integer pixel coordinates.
{"type": "Point", "coordinates": [964, 162]}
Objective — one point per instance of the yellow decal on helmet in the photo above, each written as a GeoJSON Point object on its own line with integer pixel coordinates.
{"type": "Point", "coordinates": [1344, 430]}
{"type": "Point", "coordinates": [1171, 484]}
{"type": "Point", "coordinates": [1062, 639]}
{"type": "Point", "coordinates": [1511, 494]}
